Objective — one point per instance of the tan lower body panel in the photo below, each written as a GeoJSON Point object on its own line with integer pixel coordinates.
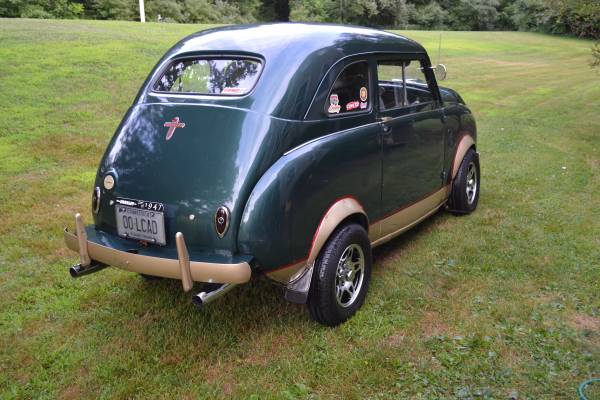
{"type": "Point", "coordinates": [379, 232]}
{"type": "Point", "coordinates": [164, 267]}
{"type": "Point", "coordinates": [401, 221]}
{"type": "Point", "coordinates": [288, 273]}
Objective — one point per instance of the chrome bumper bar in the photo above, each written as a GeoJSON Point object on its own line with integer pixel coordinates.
{"type": "Point", "coordinates": [91, 253]}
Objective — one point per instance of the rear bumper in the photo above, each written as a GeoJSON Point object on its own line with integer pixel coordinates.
{"type": "Point", "coordinates": [188, 271]}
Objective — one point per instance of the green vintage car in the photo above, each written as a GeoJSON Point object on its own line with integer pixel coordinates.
{"type": "Point", "coordinates": [279, 150]}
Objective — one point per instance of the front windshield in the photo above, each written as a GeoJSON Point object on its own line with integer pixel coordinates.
{"type": "Point", "coordinates": [216, 76]}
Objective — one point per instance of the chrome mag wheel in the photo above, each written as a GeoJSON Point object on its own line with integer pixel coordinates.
{"type": "Point", "coordinates": [350, 275]}
{"type": "Point", "coordinates": [472, 183]}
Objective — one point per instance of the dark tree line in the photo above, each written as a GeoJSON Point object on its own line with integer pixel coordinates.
{"type": "Point", "coordinates": [577, 17]}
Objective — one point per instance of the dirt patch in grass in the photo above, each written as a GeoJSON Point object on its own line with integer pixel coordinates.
{"type": "Point", "coordinates": [432, 325]}
{"type": "Point", "coordinates": [394, 340]}
{"type": "Point", "coordinates": [583, 322]}
{"type": "Point", "coordinates": [71, 392]}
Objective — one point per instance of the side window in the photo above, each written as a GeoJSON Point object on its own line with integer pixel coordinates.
{"type": "Point", "coordinates": [402, 83]}
{"type": "Point", "coordinates": [350, 92]}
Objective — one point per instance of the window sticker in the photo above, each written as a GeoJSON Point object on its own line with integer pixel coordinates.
{"type": "Point", "coordinates": [334, 104]}
{"type": "Point", "coordinates": [363, 105]}
{"type": "Point", "coordinates": [353, 105]}
{"type": "Point", "coordinates": [363, 94]}
{"type": "Point", "coordinates": [233, 90]}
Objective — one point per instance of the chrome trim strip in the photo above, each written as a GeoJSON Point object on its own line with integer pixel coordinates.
{"type": "Point", "coordinates": [327, 136]}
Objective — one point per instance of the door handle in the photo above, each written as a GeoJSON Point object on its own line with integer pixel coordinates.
{"type": "Point", "coordinates": [384, 122]}
{"type": "Point", "coordinates": [444, 117]}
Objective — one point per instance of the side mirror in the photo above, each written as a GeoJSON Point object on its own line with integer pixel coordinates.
{"type": "Point", "coordinates": [440, 72]}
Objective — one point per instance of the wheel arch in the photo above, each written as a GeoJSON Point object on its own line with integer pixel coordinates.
{"type": "Point", "coordinates": [465, 143]}
{"type": "Point", "coordinates": [344, 210]}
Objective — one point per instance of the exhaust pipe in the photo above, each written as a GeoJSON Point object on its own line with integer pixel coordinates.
{"type": "Point", "coordinates": [78, 270]}
{"type": "Point", "coordinates": [203, 298]}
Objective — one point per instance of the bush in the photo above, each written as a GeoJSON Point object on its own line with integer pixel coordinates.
{"type": "Point", "coordinates": [430, 16]}
{"type": "Point", "coordinates": [580, 17]}
{"type": "Point", "coordinates": [309, 10]}
{"type": "Point", "coordinates": [114, 9]}
{"type": "Point", "coordinates": [476, 15]}
{"type": "Point", "coordinates": [530, 15]}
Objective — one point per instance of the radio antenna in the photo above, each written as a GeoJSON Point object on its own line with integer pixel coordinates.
{"type": "Point", "coordinates": [439, 48]}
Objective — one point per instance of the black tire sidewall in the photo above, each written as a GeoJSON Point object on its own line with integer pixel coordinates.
{"type": "Point", "coordinates": [322, 300]}
{"type": "Point", "coordinates": [460, 202]}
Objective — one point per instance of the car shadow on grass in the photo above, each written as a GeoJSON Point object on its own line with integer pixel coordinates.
{"type": "Point", "coordinates": [160, 307]}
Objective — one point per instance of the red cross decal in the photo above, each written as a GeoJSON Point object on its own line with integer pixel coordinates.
{"type": "Point", "coordinates": [174, 124]}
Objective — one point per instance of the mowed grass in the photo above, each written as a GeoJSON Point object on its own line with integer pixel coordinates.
{"type": "Point", "coordinates": [499, 304]}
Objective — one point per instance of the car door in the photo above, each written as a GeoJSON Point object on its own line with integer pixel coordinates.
{"type": "Point", "coordinates": [412, 129]}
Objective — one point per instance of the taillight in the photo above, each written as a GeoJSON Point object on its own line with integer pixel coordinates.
{"type": "Point", "coordinates": [96, 200]}
{"type": "Point", "coordinates": [222, 221]}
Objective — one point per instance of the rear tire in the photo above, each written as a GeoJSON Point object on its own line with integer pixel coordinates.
{"type": "Point", "coordinates": [341, 276]}
{"type": "Point", "coordinates": [466, 185]}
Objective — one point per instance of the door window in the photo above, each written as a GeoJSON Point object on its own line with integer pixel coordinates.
{"type": "Point", "coordinates": [350, 92]}
{"type": "Point", "coordinates": [401, 84]}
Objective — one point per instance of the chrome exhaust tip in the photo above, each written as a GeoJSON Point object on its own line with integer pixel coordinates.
{"type": "Point", "coordinates": [203, 298]}
{"type": "Point", "coordinates": [78, 270]}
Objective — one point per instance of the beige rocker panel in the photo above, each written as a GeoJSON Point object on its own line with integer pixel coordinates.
{"type": "Point", "coordinates": [165, 267]}
{"type": "Point", "coordinates": [406, 218]}
{"type": "Point", "coordinates": [287, 273]}
{"type": "Point", "coordinates": [465, 143]}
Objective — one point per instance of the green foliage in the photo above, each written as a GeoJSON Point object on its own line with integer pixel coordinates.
{"type": "Point", "coordinates": [580, 17]}
{"type": "Point", "coordinates": [114, 9]}
{"type": "Point", "coordinates": [309, 10]}
{"type": "Point", "coordinates": [430, 16]}
{"type": "Point", "coordinates": [577, 17]}
{"type": "Point", "coordinates": [529, 15]}
{"type": "Point", "coordinates": [476, 15]}
{"type": "Point", "coordinates": [41, 9]}
{"type": "Point", "coordinates": [596, 55]}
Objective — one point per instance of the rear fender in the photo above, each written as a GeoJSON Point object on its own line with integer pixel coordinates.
{"type": "Point", "coordinates": [305, 195]}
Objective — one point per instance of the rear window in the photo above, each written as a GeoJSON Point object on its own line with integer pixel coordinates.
{"type": "Point", "coordinates": [216, 76]}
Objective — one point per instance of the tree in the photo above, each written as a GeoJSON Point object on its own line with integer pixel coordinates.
{"type": "Point", "coordinates": [114, 9]}
{"type": "Point", "coordinates": [275, 10]}
{"type": "Point", "coordinates": [309, 10]}
{"type": "Point", "coordinates": [530, 15]}
{"type": "Point", "coordinates": [430, 16]}
{"type": "Point", "coordinates": [595, 55]}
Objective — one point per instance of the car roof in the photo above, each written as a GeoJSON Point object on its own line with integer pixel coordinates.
{"type": "Point", "coordinates": [296, 54]}
{"type": "Point", "coordinates": [270, 40]}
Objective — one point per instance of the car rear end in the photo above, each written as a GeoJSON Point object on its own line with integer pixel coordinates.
{"type": "Point", "coordinates": [171, 187]}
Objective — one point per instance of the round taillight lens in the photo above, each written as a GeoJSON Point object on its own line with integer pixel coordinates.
{"type": "Point", "coordinates": [109, 182]}
{"type": "Point", "coordinates": [96, 200]}
{"type": "Point", "coordinates": [222, 221]}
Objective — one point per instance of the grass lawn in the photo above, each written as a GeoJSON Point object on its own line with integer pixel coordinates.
{"type": "Point", "coordinates": [505, 302]}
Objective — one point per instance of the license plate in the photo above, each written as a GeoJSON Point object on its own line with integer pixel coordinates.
{"type": "Point", "coordinates": [139, 219]}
